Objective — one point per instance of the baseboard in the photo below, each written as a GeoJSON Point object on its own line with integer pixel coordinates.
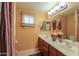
{"type": "Point", "coordinates": [28, 52]}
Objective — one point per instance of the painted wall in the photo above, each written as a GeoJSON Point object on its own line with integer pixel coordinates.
{"type": "Point", "coordinates": [27, 36]}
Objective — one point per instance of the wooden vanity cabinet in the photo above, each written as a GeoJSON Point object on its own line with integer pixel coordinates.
{"type": "Point", "coordinates": [40, 45]}
{"type": "Point", "coordinates": [52, 51]}
{"type": "Point", "coordinates": [58, 53]}
{"type": "Point", "coordinates": [48, 50]}
{"type": "Point", "coordinates": [45, 49]}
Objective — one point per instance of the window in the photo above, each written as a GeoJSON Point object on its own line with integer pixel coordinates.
{"type": "Point", "coordinates": [28, 20]}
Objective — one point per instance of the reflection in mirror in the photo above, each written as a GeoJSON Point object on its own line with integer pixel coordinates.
{"type": "Point", "coordinates": [69, 22]}
{"type": "Point", "coordinates": [45, 26]}
{"type": "Point", "coordinates": [68, 26]}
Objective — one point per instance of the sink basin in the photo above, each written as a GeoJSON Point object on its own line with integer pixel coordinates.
{"type": "Point", "coordinates": [65, 48]}
{"type": "Point", "coordinates": [68, 46]}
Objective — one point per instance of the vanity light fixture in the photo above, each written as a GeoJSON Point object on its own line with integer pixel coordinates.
{"type": "Point", "coordinates": [59, 7]}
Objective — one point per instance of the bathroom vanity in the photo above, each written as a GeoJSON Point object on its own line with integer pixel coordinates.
{"type": "Point", "coordinates": [48, 47]}
{"type": "Point", "coordinates": [48, 50]}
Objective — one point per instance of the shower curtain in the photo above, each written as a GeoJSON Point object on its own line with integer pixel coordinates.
{"type": "Point", "coordinates": [6, 29]}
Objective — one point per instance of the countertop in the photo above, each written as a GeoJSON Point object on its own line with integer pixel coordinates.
{"type": "Point", "coordinates": [67, 47]}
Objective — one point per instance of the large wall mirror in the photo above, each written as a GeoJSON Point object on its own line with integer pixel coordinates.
{"type": "Point", "coordinates": [69, 22]}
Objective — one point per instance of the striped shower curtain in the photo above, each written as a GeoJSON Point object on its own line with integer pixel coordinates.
{"type": "Point", "coordinates": [6, 25]}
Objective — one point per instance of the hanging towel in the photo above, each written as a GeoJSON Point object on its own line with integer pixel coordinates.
{"type": "Point", "coordinates": [6, 45]}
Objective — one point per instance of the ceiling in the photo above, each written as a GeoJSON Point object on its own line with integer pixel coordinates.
{"type": "Point", "coordinates": [39, 6]}
{"type": "Point", "coordinates": [46, 6]}
{"type": "Point", "coordinates": [72, 6]}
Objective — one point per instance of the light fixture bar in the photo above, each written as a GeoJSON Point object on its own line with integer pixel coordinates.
{"type": "Point", "coordinates": [61, 6]}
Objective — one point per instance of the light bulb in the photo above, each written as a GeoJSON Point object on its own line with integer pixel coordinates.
{"type": "Point", "coordinates": [49, 13]}
{"type": "Point", "coordinates": [57, 7]}
{"type": "Point", "coordinates": [52, 10]}
{"type": "Point", "coordinates": [62, 3]}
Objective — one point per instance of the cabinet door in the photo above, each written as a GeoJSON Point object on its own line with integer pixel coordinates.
{"type": "Point", "coordinates": [58, 53]}
{"type": "Point", "coordinates": [45, 49]}
{"type": "Point", "coordinates": [40, 45]}
{"type": "Point", "coordinates": [52, 51]}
